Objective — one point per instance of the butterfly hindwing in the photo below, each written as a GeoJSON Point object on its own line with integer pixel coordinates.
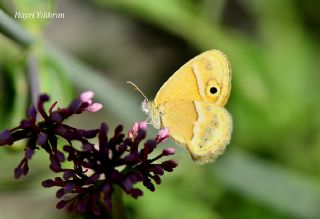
{"type": "Point", "coordinates": [204, 129]}
{"type": "Point", "coordinates": [211, 132]}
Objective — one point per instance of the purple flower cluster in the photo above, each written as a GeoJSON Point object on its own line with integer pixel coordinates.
{"type": "Point", "coordinates": [45, 132]}
{"type": "Point", "coordinates": [97, 168]}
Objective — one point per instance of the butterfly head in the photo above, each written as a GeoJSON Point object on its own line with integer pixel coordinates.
{"type": "Point", "coordinates": [153, 113]}
{"type": "Point", "coordinates": [145, 106]}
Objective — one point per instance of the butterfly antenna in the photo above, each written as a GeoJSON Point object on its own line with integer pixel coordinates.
{"type": "Point", "coordinates": [137, 88]}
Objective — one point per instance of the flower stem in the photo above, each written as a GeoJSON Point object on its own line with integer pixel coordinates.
{"type": "Point", "coordinates": [118, 211]}
{"type": "Point", "coordinates": [33, 78]}
{"type": "Point", "coordinates": [13, 31]}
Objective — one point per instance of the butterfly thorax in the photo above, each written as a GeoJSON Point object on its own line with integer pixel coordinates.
{"type": "Point", "coordinates": [153, 112]}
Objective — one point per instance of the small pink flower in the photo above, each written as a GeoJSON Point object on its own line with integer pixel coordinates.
{"type": "Point", "coordinates": [135, 128]}
{"type": "Point", "coordinates": [163, 135]}
{"type": "Point", "coordinates": [87, 97]}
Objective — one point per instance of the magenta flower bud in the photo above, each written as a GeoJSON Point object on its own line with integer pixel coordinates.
{"type": "Point", "coordinates": [168, 151]}
{"type": "Point", "coordinates": [138, 130]}
{"type": "Point", "coordinates": [48, 183]}
{"type": "Point", "coordinates": [95, 107]}
{"type": "Point", "coordinates": [163, 135]}
{"type": "Point", "coordinates": [143, 125]}
{"type": "Point", "coordinates": [60, 193]}
{"type": "Point", "coordinates": [29, 152]}
{"type": "Point", "coordinates": [86, 97]}
{"type": "Point", "coordinates": [17, 172]}
{"type": "Point", "coordinates": [158, 170]}
{"type": "Point", "coordinates": [69, 187]}
{"type": "Point", "coordinates": [134, 131]}
{"type": "Point", "coordinates": [169, 165]}
{"type": "Point", "coordinates": [149, 185]}
{"type": "Point", "coordinates": [32, 112]}
{"type": "Point", "coordinates": [157, 179]}
{"type": "Point", "coordinates": [67, 174]}
{"type": "Point", "coordinates": [6, 137]}
{"type": "Point", "coordinates": [42, 138]}
{"type": "Point", "coordinates": [136, 193]}
{"type": "Point", "coordinates": [61, 204]}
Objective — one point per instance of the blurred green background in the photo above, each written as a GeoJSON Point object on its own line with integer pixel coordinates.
{"type": "Point", "coordinates": [271, 169]}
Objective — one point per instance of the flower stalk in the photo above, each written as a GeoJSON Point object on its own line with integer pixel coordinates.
{"type": "Point", "coordinates": [118, 211]}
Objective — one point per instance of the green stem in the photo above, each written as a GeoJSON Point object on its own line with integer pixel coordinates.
{"type": "Point", "coordinates": [14, 31]}
{"type": "Point", "coordinates": [118, 211]}
{"type": "Point", "coordinates": [33, 75]}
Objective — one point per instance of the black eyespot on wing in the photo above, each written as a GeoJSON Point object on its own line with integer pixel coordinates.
{"type": "Point", "coordinates": [213, 90]}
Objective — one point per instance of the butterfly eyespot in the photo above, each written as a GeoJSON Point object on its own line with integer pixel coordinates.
{"type": "Point", "coordinates": [214, 123]}
{"type": "Point", "coordinates": [213, 90]}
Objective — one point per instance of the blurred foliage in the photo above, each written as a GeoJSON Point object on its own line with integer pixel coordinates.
{"type": "Point", "coordinates": [271, 169]}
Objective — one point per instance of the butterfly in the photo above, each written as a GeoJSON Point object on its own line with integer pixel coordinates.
{"type": "Point", "coordinates": [191, 104]}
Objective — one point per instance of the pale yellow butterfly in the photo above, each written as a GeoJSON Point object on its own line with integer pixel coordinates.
{"type": "Point", "coordinates": [191, 104]}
